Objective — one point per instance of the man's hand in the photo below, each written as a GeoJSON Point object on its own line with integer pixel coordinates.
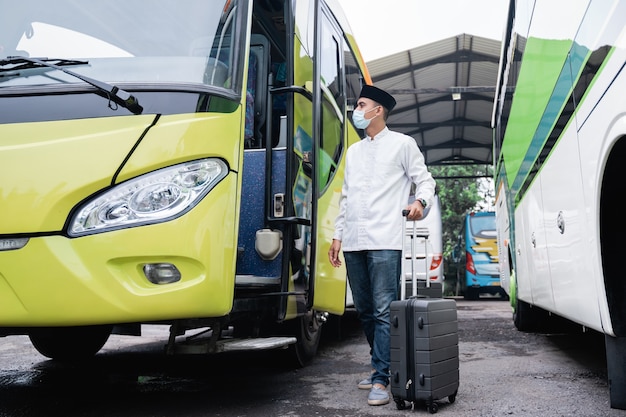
{"type": "Point", "coordinates": [333, 253]}
{"type": "Point", "coordinates": [416, 211]}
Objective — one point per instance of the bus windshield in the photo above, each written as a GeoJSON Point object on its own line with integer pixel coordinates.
{"type": "Point", "coordinates": [121, 41]}
{"type": "Point", "coordinates": [483, 226]}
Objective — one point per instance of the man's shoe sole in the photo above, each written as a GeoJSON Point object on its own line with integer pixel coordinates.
{"type": "Point", "coordinates": [381, 396]}
{"type": "Point", "coordinates": [378, 402]}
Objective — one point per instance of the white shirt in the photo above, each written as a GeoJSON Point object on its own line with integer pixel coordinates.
{"type": "Point", "coordinates": [378, 176]}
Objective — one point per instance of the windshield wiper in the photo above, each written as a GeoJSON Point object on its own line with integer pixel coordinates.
{"type": "Point", "coordinates": [16, 63]}
{"type": "Point", "coordinates": [117, 95]}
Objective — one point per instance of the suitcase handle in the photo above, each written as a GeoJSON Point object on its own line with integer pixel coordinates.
{"type": "Point", "coordinates": [402, 277]}
{"type": "Point", "coordinates": [414, 286]}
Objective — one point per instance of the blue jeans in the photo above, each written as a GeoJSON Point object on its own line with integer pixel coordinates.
{"type": "Point", "coordinates": [374, 279]}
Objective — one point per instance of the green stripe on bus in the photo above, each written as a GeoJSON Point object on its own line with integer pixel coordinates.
{"type": "Point", "coordinates": [541, 92]}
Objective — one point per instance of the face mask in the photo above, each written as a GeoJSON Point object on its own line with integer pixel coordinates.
{"type": "Point", "coordinates": [359, 120]}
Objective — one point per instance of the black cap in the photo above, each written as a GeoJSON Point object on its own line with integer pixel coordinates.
{"type": "Point", "coordinates": [382, 97]}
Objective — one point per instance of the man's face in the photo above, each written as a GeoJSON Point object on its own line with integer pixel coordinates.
{"type": "Point", "coordinates": [365, 104]}
{"type": "Point", "coordinates": [368, 106]}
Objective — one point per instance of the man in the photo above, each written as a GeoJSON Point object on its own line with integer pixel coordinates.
{"type": "Point", "coordinates": [379, 172]}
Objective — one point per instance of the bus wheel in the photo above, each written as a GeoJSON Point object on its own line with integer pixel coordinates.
{"type": "Point", "coordinates": [307, 329]}
{"type": "Point", "coordinates": [526, 317]}
{"type": "Point", "coordinates": [69, 343]}
{"type": "Point", "coordinates": [472, 293]}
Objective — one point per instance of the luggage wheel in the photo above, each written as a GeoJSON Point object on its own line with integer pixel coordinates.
{"type": "Point", "coordinates": [400, 403]}
{"type": "Point", "coordinates": [452, 398]}
{"type": "Point", "coordinates": [433, 407]}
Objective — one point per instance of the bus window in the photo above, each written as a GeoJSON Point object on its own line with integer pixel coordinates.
{"type": "Point", "coordinates": [354, 78]}
{"type": "Point", "coordinates": [196, 55]}
{"type": "Point", "coordinates": [333, 103]}
{"type": "Point", "coordinates": [256, 91]}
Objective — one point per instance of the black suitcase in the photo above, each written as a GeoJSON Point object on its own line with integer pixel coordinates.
{"type": "Point", "coordinates": [424, 363]}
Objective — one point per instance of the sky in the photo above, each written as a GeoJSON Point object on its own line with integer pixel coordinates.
{"type": "Point", "coordinates": [385, 27]}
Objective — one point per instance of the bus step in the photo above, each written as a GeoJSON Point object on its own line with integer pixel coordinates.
{"type": "Point", "coordinates": [233, 345]}
{"type": "Point", "coordinates": [261, 343]}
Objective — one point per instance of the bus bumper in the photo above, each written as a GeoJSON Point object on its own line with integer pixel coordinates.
{"type": "Point", "coordinates": [97, 279]}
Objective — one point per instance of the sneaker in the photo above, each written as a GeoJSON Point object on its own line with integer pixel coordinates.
{"type": "Point", "coordinates": [366, 383]}
{"type": "Point", "coordinates": [378, 396]}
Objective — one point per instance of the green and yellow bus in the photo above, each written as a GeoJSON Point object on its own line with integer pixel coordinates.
{"type": "Point", "coordinates": [176, 162]}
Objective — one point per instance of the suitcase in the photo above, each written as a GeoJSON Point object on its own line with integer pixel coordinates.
{"type": "Point", "coordinates": [424, 363]}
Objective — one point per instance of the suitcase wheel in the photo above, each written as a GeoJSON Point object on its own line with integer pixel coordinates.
{"type": "Point", "coordinates": [452, 398]}
{"type": "Point", "coordinates": [433, 407]}
{"type": "Point", "coordinates": [400, 403]}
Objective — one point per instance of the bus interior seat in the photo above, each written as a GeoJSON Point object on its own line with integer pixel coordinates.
{"type": "Point", "coordinates": [256, 101]}
{"type": "Point", "coordinates": [216, 69]}
{"type": "Point", "coordinates": [258, 73]}
{"type": "Point", "coordinates": [250, 101]}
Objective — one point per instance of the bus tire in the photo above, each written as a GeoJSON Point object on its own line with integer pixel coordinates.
{"type": "Point", "coordinates": [69, 343]}
{"type": "Point", "coordinates": [528, 318]}
{"type": "Point", "coordinates": [472, 293]}
{"type": "Point", "coordinates": [308, 330]}
{"type": "Point", "coordinates": [523, 316]}
{"type": "Point", "coordinates": [503, 294]}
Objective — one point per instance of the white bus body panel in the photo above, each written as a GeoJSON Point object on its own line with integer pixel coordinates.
{"type": "Point", "coordinates": [567, 234]}
{"type": "Point", "coordinates": [503, 227]}
{"type": "Point", "coordinates": [597, 136]}
{"type": "Point", "coordinates": [433, 223]}
{"type": "Point", "coordinates": [531, 243]}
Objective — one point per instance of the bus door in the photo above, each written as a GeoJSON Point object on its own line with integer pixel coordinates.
{"type": "Point", "coordinates": [272, 218]}
{"type": "Point", "coordinates": [315, 145]}
{"type": "Point", "coordinates": [329, 103]}
{"type": "Point", "coordinates": [296, 157]}
{"type": "Point", "coordinates": [275, 227]}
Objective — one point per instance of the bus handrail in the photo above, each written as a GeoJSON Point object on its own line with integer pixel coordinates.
{"type": "Point", "coordinates": [292, 89]}
{"type": "Point", "coordinates": [290, 220]}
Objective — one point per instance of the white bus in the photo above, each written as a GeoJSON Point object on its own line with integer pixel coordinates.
{"type": "Point", "coordinates": [430, 225]}
{"type": "Point", "coordinates": [559, 129]}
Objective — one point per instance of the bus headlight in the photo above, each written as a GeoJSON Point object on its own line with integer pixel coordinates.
{"type": "Point", "coordinates": [151, 198]}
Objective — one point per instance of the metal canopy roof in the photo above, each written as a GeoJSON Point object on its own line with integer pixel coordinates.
{"type": "Point", "coordinates": [423, 80]}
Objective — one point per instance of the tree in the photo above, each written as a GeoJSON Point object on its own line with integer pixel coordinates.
{"type": "Point", "coordinates": [461, 189]}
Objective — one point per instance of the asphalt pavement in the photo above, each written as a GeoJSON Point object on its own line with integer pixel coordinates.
{"type": "Point", "coordinates": [503, 372]}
